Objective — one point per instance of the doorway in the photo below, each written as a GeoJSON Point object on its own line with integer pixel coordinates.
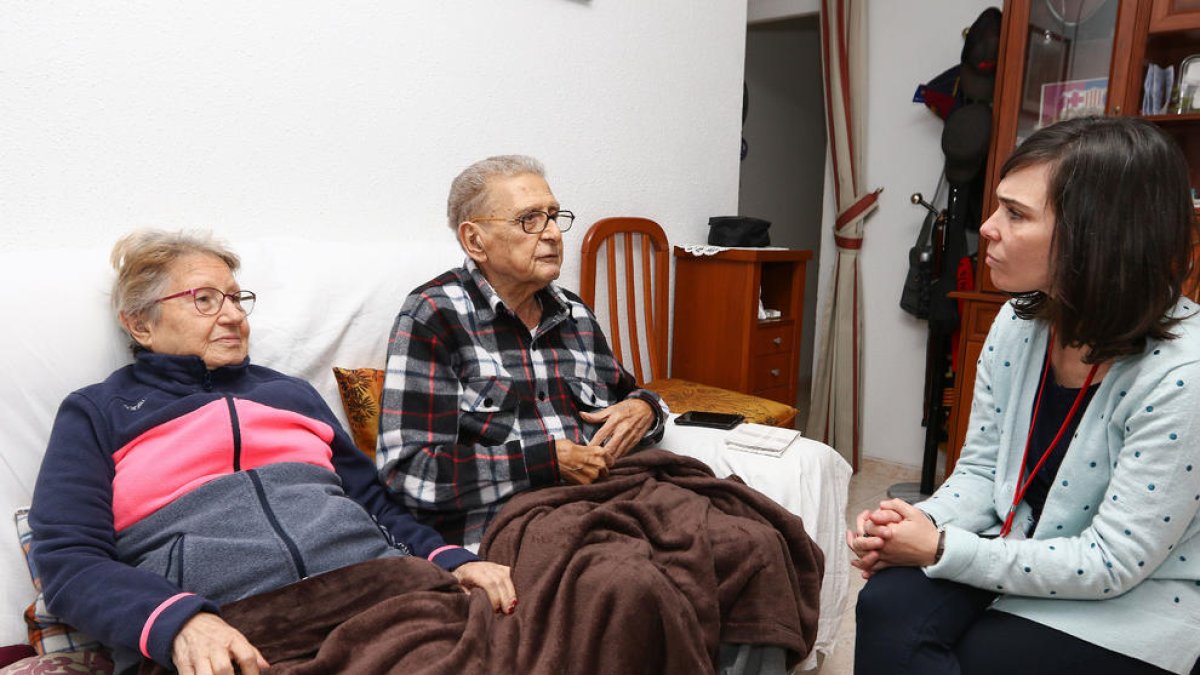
{"type": "Point", "coordinates": [783, 167]}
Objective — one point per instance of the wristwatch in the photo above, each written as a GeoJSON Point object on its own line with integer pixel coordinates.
{"type": "Point", "coordinates": [941, 546]}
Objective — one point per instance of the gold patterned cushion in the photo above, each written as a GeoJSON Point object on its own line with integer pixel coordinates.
{"type": "Point", "coordinates": [361, 390]}
{"type": "Point", "coordinates": [682, 395]}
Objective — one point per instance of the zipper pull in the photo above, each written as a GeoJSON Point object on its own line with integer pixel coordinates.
{"type": "Point", "coordinates": [207, 380]}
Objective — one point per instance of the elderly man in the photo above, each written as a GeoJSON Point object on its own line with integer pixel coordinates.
{"type": "Point", "coordinates": [498, 380]}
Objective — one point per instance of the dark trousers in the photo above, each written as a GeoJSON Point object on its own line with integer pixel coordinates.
{"type": "Point", "coordinates": [911, 624]}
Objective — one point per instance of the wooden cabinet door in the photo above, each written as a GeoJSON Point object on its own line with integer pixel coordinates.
{"type": "Point", "coordinates": [1174, 15]}
{"type": "Point", "coordinates": [976, 322]}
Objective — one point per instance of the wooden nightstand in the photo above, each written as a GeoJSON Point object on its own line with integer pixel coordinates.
{"type": "Point", "coordinates": [718, 338]}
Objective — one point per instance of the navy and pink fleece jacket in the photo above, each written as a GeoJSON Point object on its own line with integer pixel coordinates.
{"type": "Point", "coordinates": [169, 489]}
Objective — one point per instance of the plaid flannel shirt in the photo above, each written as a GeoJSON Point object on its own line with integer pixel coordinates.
{"type": "Point", "coordinates": [473, 402]}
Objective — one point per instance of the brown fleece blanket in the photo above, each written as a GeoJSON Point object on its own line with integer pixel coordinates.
{"type": "Point", "coordinates": [646, 571]}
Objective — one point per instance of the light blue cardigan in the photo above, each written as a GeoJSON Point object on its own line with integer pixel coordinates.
{"type": "Point", "coordinates": [1115, 558]}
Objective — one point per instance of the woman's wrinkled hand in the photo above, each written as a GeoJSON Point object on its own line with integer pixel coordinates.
{"type": "Point", "coordinates": [206, 645]}
{"type": "Point", "coordinates": [493, 578]}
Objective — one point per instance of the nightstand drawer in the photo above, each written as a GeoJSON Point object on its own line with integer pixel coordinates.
{"type": "Point", "coordinates": [771, 371]}
{"type": "Point", "coordinates": [773, 338]}
{"type": "Point", "coordinates": [783, 395]}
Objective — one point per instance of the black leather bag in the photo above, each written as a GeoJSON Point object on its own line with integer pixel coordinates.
{"type": "Point", "coordinates": [918, 283]}
{"type": "Point", "coordinates": [738, 231]}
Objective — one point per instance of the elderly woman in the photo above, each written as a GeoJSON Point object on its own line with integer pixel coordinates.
{"type": "Point", "coordinates": [192, 478]}
{"type": "Point", "coordinates": [498, 380]}
{"type": "Point", "coordinates": [1068, 537]}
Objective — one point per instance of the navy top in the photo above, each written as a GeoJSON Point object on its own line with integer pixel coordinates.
{"type": "Point", "coordinates": [1056, 403]}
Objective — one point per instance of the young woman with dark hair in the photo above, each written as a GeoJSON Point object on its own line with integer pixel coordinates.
{"type": "Point", "coordinates": [1067, 538]}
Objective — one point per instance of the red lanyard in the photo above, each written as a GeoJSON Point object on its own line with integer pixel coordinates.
{"type": "Point", "coordinates": [1022, 488]}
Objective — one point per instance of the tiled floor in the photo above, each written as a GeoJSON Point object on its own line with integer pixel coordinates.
{"type": "Point", "coordinates": [868, 487]}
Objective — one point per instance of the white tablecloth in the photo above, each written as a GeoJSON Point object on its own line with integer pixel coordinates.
{"type": "Point", "coordinates": [811, 480]}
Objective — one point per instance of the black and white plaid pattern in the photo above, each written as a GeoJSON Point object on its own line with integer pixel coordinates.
{"type": "Point", "coordinates": [472, 402]}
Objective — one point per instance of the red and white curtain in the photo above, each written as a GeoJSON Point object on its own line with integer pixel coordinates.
{"type": "Point", "coordinates": [835, 415]}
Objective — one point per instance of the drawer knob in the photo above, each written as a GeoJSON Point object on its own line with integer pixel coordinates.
{"type": "Point", "coordinates": [775, 372]}
{"type": "Point", "coordinates": [777, 341]}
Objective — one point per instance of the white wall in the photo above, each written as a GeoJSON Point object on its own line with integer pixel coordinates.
{"type": "Point", "coordinates": [910, 42]}
{"type": "Point", "coordinates": [349, 119]}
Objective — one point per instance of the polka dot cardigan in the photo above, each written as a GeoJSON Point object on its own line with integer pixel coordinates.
{"type": "Point", "coordinates": [1115, 557]}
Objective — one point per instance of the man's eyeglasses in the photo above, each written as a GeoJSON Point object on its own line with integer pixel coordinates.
{"type": "Point", "coordinates": [534, 222]}
{"type": "Point", "coordinates": [210, 300]}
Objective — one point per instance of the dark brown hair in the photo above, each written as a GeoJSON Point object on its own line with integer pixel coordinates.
{"type": "Point", "coordinates": [1123, 233]}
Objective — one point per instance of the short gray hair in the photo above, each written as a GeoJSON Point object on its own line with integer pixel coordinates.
{"type": "Point", "coordinates": [469, 191]}
{"type": "Point", "coordinates": [143, 259]}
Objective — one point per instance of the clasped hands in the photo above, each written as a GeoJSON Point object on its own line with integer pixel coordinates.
{"type": "Point", "coordinates": [897, 534]}
{"type": "Point", "coordinates": [623, 425]}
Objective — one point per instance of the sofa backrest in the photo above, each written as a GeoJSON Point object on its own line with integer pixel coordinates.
{"type": "Point", "coordinates": [320, 304]}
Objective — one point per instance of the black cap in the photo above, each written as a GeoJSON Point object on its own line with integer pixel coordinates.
{"type": "Point", "coordinates": [965, 138]}
{"type": "Point", "coordinates": [981, 49]}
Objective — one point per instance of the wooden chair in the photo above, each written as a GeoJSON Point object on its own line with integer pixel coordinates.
{"type": "Point", "coordinates": [641, 288]}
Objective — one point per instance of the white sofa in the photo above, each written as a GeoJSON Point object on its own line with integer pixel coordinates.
{"type": "Point", "coordinates": [320, 304]}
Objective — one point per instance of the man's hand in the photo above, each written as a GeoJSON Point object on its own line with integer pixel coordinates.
{"type": "Point", "coordinates": [624, 426]}
{"type": "Point", "coordinates": [494, 579]}
{"type": "Point", "coordinates": [580, 464]}
{"type": "Point", "coordinates": [206, 645]}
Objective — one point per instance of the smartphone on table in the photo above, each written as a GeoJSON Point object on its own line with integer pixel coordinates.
{"type": "Point", "coordinates": [714, 420]}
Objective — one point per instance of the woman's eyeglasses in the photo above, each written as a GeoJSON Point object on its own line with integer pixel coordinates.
{"type": "Point", "coordinates": [209, 301]}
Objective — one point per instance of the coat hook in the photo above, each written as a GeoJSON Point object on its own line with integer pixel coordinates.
{"type": "Point", "coordinates": [919, 200]}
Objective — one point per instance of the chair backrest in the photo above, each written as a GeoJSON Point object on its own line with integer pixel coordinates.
{"type": "Point", "coordinates": [646, 257]}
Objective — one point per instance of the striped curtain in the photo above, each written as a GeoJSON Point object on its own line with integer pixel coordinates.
{"type": "Point", "coordinates": [835, 415]}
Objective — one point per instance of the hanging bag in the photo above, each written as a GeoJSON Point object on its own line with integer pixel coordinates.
{"type": "Point", "coordinates": [918, 283]}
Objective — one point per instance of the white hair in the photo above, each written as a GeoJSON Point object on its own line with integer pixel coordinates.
{"type": "Point", "coordinates": [469, 191]}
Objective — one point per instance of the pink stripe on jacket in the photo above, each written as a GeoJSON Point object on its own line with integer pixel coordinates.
{"type": "Point", "coordinates": [179, 456]}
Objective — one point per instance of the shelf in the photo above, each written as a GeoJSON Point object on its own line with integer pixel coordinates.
{"type": "Point", "coordinates": [746, 254]}
{"type": "Point", "coordinates": [1175, 33]}
{"type": "Point", "coordinates": [1168, 120]}
{"type": "Point", "coordinates": [1179, 31]}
